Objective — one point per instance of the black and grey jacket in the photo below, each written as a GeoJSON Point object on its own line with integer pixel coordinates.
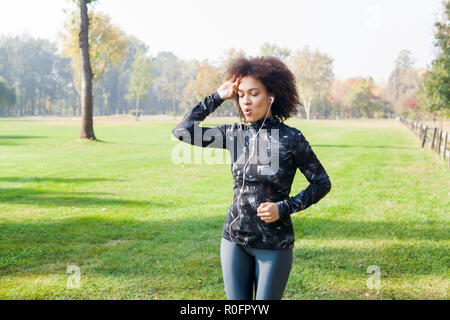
{"type": "Point", "coordinates": [275, 154]}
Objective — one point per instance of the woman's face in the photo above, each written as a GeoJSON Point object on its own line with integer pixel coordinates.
{"type": "Point", "coordinates": [254, 100]}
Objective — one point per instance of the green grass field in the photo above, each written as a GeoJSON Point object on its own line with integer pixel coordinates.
{"type": "Point", "coordinates": [139, 226]}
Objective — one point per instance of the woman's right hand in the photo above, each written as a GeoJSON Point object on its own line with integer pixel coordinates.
{"type": "Point", "coordinates": [229, 89]}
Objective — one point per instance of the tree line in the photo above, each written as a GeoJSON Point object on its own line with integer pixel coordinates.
{"type": "Point", "coordinates": [39, 78]}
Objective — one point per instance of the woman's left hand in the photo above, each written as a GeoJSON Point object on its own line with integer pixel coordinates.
{"type": "Point", "coordinates": [268, 212]}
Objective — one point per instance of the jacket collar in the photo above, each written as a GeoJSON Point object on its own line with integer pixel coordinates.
{"type": "Point", "coordinates": [270, 122]}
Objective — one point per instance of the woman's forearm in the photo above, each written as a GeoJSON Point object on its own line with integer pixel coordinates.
{"type": "Point", "coordinates": [189, 130]}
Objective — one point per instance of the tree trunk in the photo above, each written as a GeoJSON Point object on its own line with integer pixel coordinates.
{"type": "Point", "coordinates": [40, 111]}
{"type": "Point", "coordinates": [87, 129]}
{"type": "Point", "coordinates": [137, 108]}
{"type": "Point", "coordinates": [174, 105]}
{"type": "Point", "coordinates": [307, 106]}
{"type": "Point", "coordinates": [32, 105]}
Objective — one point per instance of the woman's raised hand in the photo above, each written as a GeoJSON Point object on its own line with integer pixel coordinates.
{"type": "Point", "coordinates": [229, 89]}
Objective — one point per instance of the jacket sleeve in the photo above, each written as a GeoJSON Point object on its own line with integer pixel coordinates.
{"type": "Point", "coordinates": [189, 130]}
{"type": "Point", "coordinates": [312, 169]}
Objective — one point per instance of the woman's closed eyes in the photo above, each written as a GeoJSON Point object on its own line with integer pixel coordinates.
{"type": "Point", "coordinates": [253, 95]}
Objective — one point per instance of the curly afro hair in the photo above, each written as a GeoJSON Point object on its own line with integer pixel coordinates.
{"type": "Point", "coordinates": [276, 77]}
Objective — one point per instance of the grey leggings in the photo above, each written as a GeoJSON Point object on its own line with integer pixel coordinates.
{"type": "Point", "coordinates": [243, 267]}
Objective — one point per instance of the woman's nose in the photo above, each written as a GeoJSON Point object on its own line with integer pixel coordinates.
{"type": "Point", "coordinates": [245, 100]}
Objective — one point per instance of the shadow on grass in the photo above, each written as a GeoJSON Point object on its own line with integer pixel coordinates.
{"type": "Point", "coordinates": [360, 146]}
{"type": "Point", "coordinates": [376, 230]}
{"type": "Point", "coordinates": [55, 179]}
{"type": "Point", "coordinates": [68, 199]}
{"type": "Point", "coordinates": [112, 246]}
{"type": "Point", "coordinates": [13, 140]}
{"type": "Point", "coordinates": [95, 140]}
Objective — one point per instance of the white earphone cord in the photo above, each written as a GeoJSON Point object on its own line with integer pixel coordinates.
{"type": "Point", "coordinates": [254, 139]}
{"type": "Point", "coordinates": [243, 173]}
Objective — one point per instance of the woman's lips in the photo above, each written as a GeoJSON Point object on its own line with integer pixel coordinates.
{"type": "Point", "coordinates": [247, 111]}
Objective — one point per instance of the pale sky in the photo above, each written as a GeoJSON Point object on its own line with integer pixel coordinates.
{"type": "Point", "coordinates": [363, 37]}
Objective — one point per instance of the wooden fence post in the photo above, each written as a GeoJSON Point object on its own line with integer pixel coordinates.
{"type": "Point", "coordinates": [432, 139]}
{"type": "Point", "coordinates": [438, 143]}
{"type": "Point", "coordinates": [445, 146]}
{"type": "Point", "coordinates": [424, 136]}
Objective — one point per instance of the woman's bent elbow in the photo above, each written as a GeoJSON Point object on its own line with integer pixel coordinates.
{"type": "Point", "coordinates": [181, 134]}
{"type": "Point", "coordinates": [327, 185]}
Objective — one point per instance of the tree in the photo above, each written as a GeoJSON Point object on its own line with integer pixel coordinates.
{"type": "Point", "coordinates": [436, 89]}
{"type": "Point", "coordinates": [337, 95]}
{"type": "Point", "coordinates": [116, 81]}
{"type": "Point", "coordinates": [87, 128]}
{"type": "Point", "coordinates": [140, 79]}
{"type": "Point", "coordinates": [410, 103]}
{"type": "Point", "coordinates": [403, 79]}
{"type": "Point", "coordinates": [38, 73]}
{"type": "Point", "coordinates": [268, 49]}
{"type": "Point", "coordinates": [94, 44]}
{"type": "Point", "coordinates": [169, 83]}
{"type": "Point", "coordinates": [189, 97]}
{"type": "Point", "coordinates": [7, 95]}
{"type": "Point", "coordinates": [362, 99]}
{"type": "Point", "coordinates": [208, 79]}
{"type": "Point", "coordinates": [314, 74]}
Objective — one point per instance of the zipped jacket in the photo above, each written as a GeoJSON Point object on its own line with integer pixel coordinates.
{"type": "Point", "coordinates": [265, 156]}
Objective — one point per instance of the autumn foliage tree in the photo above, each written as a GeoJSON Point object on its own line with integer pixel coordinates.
{"type": "Point", "coordinates": [208, 79]}
{"type": "Point", "coordinates": [361, 98]}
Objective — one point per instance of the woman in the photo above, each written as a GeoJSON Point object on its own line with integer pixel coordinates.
{"type": "Point", "coordinates": [258, 237]}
